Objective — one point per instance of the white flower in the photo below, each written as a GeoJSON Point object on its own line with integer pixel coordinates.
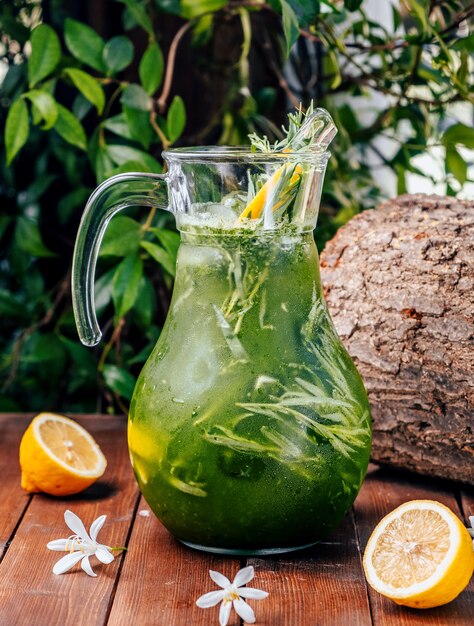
{"type": "Point", "coordinates": [471, 530]}
{"type": "Point", "coordinates": [80, 546]}
{"type": "Point", "coordinates": [231, 594]}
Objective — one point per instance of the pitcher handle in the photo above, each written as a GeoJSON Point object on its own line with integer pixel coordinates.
{"type": "Point", "coordinates": [113, 195]}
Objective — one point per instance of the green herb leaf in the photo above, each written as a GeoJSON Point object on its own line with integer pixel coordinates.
{"type": "Point", "coordinates": [122, 237]}
{"type": "Point", "coordinates": [88, 86]}
{"type": "Point", "coordinates": [176, 119]}
{"type": "Point", "coordinates": [119, 380]}
{"type": "Point", "coordinates": [70, 128]}
{"type": "Point", "coordinates": [126, 283]}
{"type": "Point", "coordinates": [17, 129]}
{"type": "Point", "coordinates": [151, 68]}
{"type": "Point", "coordinates": [117, 54]}
{"type": "Point", "coordinates": [84, 44]}
{"type": "Point", "coordinates": [45, 106]}
{"type": "Point", "coordinates": [45, 54]}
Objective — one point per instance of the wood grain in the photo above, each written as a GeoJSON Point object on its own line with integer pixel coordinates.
{"type": "Point", "coordinates": [157, 581]}
{"type": "Point", "coordinates": [29, 592]}
{"type": "Point", "coordinates": [12, 497]}
{"type": "Point", "coordinates": [161, 579]}
{"type": "Point", "coordinates": [320, 586]}
{"type": "Point", "coordinates": [382, 492]}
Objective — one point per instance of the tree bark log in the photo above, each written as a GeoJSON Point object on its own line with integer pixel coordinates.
{"type": "Point", "coordinates": [399, 282]}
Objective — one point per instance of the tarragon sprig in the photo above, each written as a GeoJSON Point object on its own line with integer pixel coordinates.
{"type": "Point", "coordinates": [293, 141]}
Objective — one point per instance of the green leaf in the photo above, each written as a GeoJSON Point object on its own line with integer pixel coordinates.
{"type": "Point", "coordinates": [125, 284]}
{"type": "Point", "coordinates": [465, 43]}
{"type": "Point", "coordinates": [145, 303]}
{"type": "Point", "coordinates": [121, 154]}
{"type": "Point", "coordinates": [17, 129]}
{"type": "Point", "coordinates": [459, 134]}
{"type": "Point", "coordinates": [119, 380]}
{"type": "Point", "coordinates": [45, 105]}
{"type": "Point", "coordinates": [161, 256]}
{"type": "Point", "coordinates": [122, 237]}
{"type": "Point", "coordinates": [290, 25]}
{"type": "Point", "coordinates": [117, 54]}
{"type": "Point", "coordinates": [71, 201]}
{"type": "Point", "coordinates": [176, 119]}
{"type": "Point", "coordinates": [418, 9]}
{"type": "Point", "coordinates": [352, 5]}
{"type": "Point", "coordinates": [28, 238]}
{"type": "Point", "coordinates": [140, 15]}
{"type": "Point", "coordinates": [118, 125]}
{"type": "Point", "coordinates": [456, 165]}
{"type": "Point", "coordinates": [139, 125]}
{"type": "Point", "coordinates": [11, 307]}
{"type": "Point", "coordinates": [151, 68]}
{"type": "Point", "coordinates": [193, 8]}
{"type": "Point", "coordinates": [45, 54]}
{"type": "Point", "coordinates": [84, 44]}
{"type": "Point", "coordinates": [70, 128]}
{"type": "Point", "coordinates": [135, 97]}
{"type": "Point", "coordinates": [88, 86]}
{"type": "Point", "coordinates": [169, 239]}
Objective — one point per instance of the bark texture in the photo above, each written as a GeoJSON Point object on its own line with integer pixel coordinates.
{"type": "Point", "coordinates": [399, 282]}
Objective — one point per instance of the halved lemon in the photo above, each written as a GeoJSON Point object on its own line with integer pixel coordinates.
{"type": "Point", "coordinates": [58, 456]}
{"type": "Point", "coordinates": [420, 555]}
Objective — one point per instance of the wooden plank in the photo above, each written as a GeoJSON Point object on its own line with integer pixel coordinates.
{"type": "Point", "coordinates": [29, 592]}
{"type": "Point", "coordinates": [14, 500]}
{"type": "Point", "coordinates": [161, 579]}
{"type": "Point", "coordinates": [383, 491]}
{"type": "Point", "coordinates": [322, 586]}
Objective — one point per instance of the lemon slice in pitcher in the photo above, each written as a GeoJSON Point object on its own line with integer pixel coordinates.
{"type": "Point", "coordinates": [420, 555]}
{"type": "Point", "coordinates": [58, 456]}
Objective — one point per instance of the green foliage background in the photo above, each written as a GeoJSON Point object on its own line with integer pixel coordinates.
{"type": "Point", "coordinates": [77, 108]}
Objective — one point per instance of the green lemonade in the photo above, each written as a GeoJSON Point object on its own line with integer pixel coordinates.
{"type": "Point", "coordinates": [249, 428]}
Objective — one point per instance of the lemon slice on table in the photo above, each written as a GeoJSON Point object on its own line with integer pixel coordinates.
{"type": "Point", "coordinates": [58, 456]}
{"type": "Point", "coordinates": [420, 555]}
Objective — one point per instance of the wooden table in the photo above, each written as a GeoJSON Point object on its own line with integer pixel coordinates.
{"type": "Point", "coordinates": [157, 581]}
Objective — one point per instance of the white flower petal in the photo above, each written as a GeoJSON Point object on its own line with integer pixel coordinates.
{"type": "Point", "coordinates": [471, 520]}
{"type": "Point", "coordinates": [219, 579]}
{"type": "Point", "coordinates": [76, 525]}
{"type": "Point", "coordinates": [471, 531]}
{"type": "Point", "coordinates": [103, 554]}
{"type": "Point", "coordinates": [244, 611]}
{"type": "Point", "coordinates": [224, 612]}
{"type": "Point", "coordinates": [86, 566]}
{"type": "Point", "coordinates": [59, 544]}
{"type": "Point", "coordinates": [68, 561]}
{"type": "Point", "coordinates": [244, 576]}
{"type": "Point", "coordinates": [96, 526]}
{"type": "Point", "coordinates": [210, 599]}
{"type": "Point", "coordinates": [253, 594]}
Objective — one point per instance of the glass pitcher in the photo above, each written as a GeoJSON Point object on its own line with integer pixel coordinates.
{"type": "Point", "coordinates": [249, 428]}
